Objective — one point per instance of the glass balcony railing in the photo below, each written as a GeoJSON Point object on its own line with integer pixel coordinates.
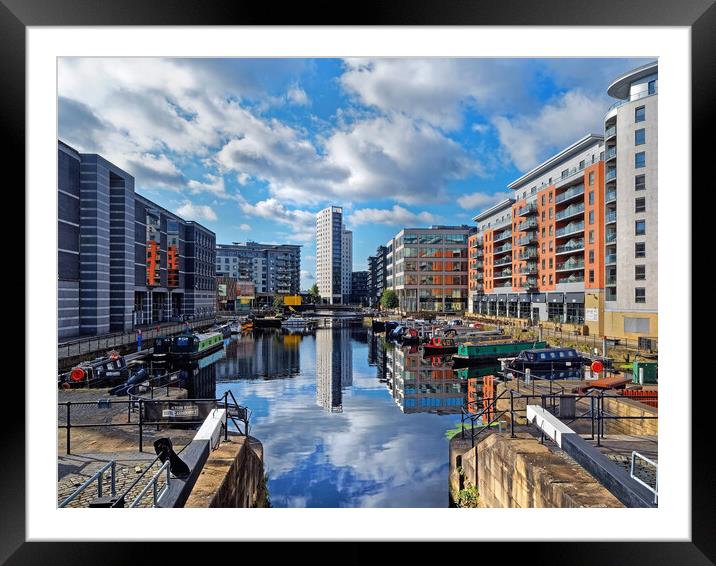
{"type": "Point", "coordinates": [571, 279]}
{"type": "Point", "coordinates": [527, 210]}
{"type": "Point", "coordinates": [527, 225]}
{"type": "Point", "coordinates": [570, 211]}
{"type": "Point", "coordinates": [610, 258]}
{"type": "Point", "coordinates": [611, 196]}
{"type": "Point", "coordinates": [634, 97]}
{"type": "Point", "coordinates": [611, 216]}
{"type": "Point", "coordinates": [503, 274]}
{"type": "Point", "coordinates": [505, 248]}
{"type": "Point", "coordinates": [611, 237]}
{"type": "Point", "coordinates": [573, 192]}
{"type": "Point", "coordinates": [503, 261]}
{"type": "Point", "coordinates": [570, 229]}
{"type": "Point", "coordinates": [528, 254]}
{"type": "Point", "coordinates": [611, 280]}
{"type": "Point", "coordinates": [610, 153]}
{"type": "Point", "coordinates": [527, 240]}
{"type": "Point", "coordinates": [502, 236]}
{"type": "Point", "coordinates": [574, 245]}
{"type": "Point", "coordinates": [529, 269]}
{"type": "Point", "coordinates": [611, 174]}
{"type": "Point", "coordinates": [569, 265]}
{"type": "Point", "coordinates": [610, 132]}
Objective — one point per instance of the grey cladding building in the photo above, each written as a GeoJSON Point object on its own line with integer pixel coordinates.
{"type": "Point", "coordinates": [122, 259]}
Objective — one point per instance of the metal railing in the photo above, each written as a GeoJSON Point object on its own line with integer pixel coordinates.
{"type": "Point", "coordinates": [156, 494]}
{"type": "Point", "coordinates": [570, 211]}
{"type": "Point", "coordinates": [99, 477]}
{"type": "Point", "coordinates": [234, 412]}
{"type": "Point", "coordinates": [611, 195]}
{"type": "Point", "coordinates": [609, 132]}
{"type": "Point", "coordinates": [611, 152]}
{"type": "Point", "coordinates": [573, 246]}
{"type": "Point", "coordinates": [573, 192]}
{"type": "Point", "coordinates": [570, 228]}
{"type": "Point", "coordinates": [611, 174]}
{"type": "Point", "coordinates": [655, 488]}
{"type": "Point", "coordinates": [632, 98]}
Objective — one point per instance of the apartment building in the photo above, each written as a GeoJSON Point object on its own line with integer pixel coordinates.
{"type": "Point", "coordinates": [334, 256]}
{"type": "Point", "coordinates": [122, 259]}
{"type": "Point", "coordinates": [275, 269]}
{"type": "Point", "coordinates": [542, 251]}
{"type": "Point", "coordinates": [631, 197]}
{"type": "Point", "coordinates": [427, 268]}
{"type": "Point", "coordinates": [377, 274]}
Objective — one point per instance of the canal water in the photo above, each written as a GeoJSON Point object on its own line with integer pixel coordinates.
{"type": "Point", "coordinates": [345, 419]}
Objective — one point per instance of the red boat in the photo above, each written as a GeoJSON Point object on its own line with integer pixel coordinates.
{"type": "Point", "coordinates": [439, 346]}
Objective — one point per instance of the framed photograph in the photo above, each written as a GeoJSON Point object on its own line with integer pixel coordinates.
{"type": "Point", "coordinates": [401, 277]}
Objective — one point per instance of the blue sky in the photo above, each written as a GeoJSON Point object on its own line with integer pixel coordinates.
{"type": "Point", "coordinates": [253, 148]}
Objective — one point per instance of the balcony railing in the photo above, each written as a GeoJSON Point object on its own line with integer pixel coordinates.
{"type": "Point", "coordinates": [505, 248]}
{"type": "Point", "coordinates": [573, 192]}
{"type": "Point", "coordinates": [611, 174]}
{"type": "Point", "coordinates": [529, 269]}
{"type": "Point", "coordinates": [570, 211]}
{"type": "Point", "coordinates": [571, 279]}
{"type": "Point", "coordinates": [528, 254]}
{"type": "Point", "coordinates": [503, 261]}
{"type": "Point", "coordinates": [611, 196]}
{"type": "Point", "coordinates": [611, 237]}
{"type": "Point", "coordinates": [527, 240]}
{"type": "Point", "coordinates": [503, 274]}
{"type": "Point", "coordinates": [574, 245]}
{"type": "Point", "coordinates": [610, 132]}
{"type": "Point", "coordinates": [610, 258]}
{"type": "Point", "coordinates": [527, 225]}
{"type": "Point", "coordinates": [610, 153]}
{"type": "Point", "coordinates": [527, 210]}
{"type": "Point", "coordinates": [611, 216]}
{"type": "Point", "coordinates": [611, 280]}
{"type": "Point", "coordinates": [569, 265]}
{"type": "Point", "coordinates": [502, 236]}
{"type": "Point", "coordinates": [632, 98]}
{"type": "Point", "coordinates": [570, 228]}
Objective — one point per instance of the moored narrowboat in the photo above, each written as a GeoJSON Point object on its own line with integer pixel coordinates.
{"type": "Point", "coordinates": [439, 346]}
{"type": "Point", "coordinates": [162, 348]}
{"type": "Point", "coordinates": [474, 353]}
{"type": "Point", "coordinates": [192, 346]}
{"type": "Point", "coordinates": [112, 368]}
{"type": "Point", "coordinates": [545, 361]}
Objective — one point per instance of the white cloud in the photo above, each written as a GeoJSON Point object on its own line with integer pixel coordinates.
{"type": "Point", "coordinates": [529, 139]}
{"type": "Point", "coordinates": [302, 222]}
{"type": "Point", "coordinates": [297, 95]}
{"type": "Point", "coordinates": [191, 211]}
{"type": "Point", "coordinates": [307, 275]}
{"type": "Point", "coordinates": [214, 185]}
{"type": "Point", "coordinates": [482, 200]}
{"type": "Point", "coordinates": [245, 228]}
{"type": "Point", "coordinates": [396, 216]}
{"type": "Point", "coordinates": [435, 90]}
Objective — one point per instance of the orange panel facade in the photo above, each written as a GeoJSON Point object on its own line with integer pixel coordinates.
{"type": "Point", "coordinates": [594, 211]}
{"type": "Point", "coordinates": [487, 247]}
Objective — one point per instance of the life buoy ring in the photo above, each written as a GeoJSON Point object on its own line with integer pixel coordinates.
{"type": "Point", "coordinates": [77, 374]}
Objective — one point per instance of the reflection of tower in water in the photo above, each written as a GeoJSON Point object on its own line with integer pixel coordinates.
{"type": "Point", "coordinates": [334, 366]}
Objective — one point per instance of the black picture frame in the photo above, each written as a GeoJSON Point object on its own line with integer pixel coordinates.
{"type": "Point", "coordinates": [699, 15]}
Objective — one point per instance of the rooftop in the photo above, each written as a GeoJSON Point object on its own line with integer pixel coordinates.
{"type": "Point", "coordinates": [621, 86]}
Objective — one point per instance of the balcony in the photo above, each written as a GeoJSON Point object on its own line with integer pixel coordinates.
{"type": "Point", "coordinates": [528, 225]}
{"type": "Point", "coordinates": [610, 132]}
{"type": "Point", "coordinates": [570, 265]}
{"type": "Point", "coordinates": [503, 249]}
{"type": "Point", "coordinates": [611, 153]}
{"type": "Point", "coordinates": [610, 175]}
{"type": "Point", "coordinates": [503, 261]}
{"type": "Point", "coordinates": [528, 210]}
{"type": "Point", "coordinates": [610, 259]}
{"type": "Point", "coordinates": [570, 194]}
{"type": "Point", "coordinates": [632, 98]}
{"type": "Point", "coordinates": [505, 273]}
{"type": "Point", "coordinates": [611, 281]}
{"type": "Point", "coordinates": [611, 295]}
{"type": "Point", "coordinates": [529, 269]}
{"type": "Point", "coordinates": [572, 228]}
{"type": "Point", "coordinates": [571, 246]}
{"type": "Point", "coordinates": [572, 279]}
{"type": "Point", "coordinates": [570, 211]}
{"type": "Point", "coordinates": [528, 254]}
{"type": "Point", "coordinates": [502, 236]}
{"type": "Point", "coordinates": [528, 241]}
{"type": "Point", "coordinates": [611, 197]}
{"type": "Point", "coordinates": [610, 237]}
{"type": "Point", "coordinates": [610, 217]}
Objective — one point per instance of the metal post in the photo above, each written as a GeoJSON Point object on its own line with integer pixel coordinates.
{"type": "Point", "coordinates": [512, 412]}
{"type": "Point", "coordinates": [591, 414]}
{"type": "Point", "coordinates": [599, 419]}
{"type": "Point", "coordinates": [113, 489]}
{"type": "Point", "coordinates": [141, 425]}
{"type": "Point", "coordinates": [541, 436]}
{"type": "Point", "coordinates": [68, 426]}
{"type": "Point", "coordinates": [604, 346]}
{"type": "Point", "coordinates": [226, 409]}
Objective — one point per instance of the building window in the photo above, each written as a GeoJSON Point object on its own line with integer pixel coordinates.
{"type": "Point", "coordinates": [640, 160]}
{"type": "Point", "coordinates": [640, 249]}
{"type": "Point", "coordinates": [639, 272]}
{"type": "Point", "coordinates": [640, 182]}
{"type": "Point", "coordinates": [581, 164]}
{"type": "Point", "coordinates": [591, 178]}
{"type": "Point", "coordinates": [591, 276]}
{"type": "Point", "coordinates": [640, 114]}
{"type": "Point", "coordinates": [591, 217]}
{"type": "Point", "coordinates": [640, 227]}
{"type": "Point", "coordinates": [591, 197]}
{"type": "Point", "coordinates": [639, 295]}
{"type": "Point", "coordinates": [565, 173]}
{"type": "Point", "coordinates": [591, 236]}
{"type": "Point", "coordinates": [591, 256]}
{"type": "Point", "coordinates": [640, 137]}
{"type": "Point", "coordinates": [640, 204]}
{"type": "Point", "coordinates": [652, 87]}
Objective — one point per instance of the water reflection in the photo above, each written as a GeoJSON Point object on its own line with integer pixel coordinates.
{"type": "Point", "coordinates": [346, 420]}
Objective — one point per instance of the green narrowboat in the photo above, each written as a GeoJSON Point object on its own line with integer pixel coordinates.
{"type": "Point", "coordinates": [195, 345]}
{"type": "Point", "coordinates": [474, 353]}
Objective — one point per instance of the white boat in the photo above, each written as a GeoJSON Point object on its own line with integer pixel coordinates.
{"type": "Point", "coordinates": [298, 322]}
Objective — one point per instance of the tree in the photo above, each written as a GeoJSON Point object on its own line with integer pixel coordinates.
{"type": "Point", "coordinates": [314, 293]}
{"type": "Point", "coordinates": [389, 300]}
